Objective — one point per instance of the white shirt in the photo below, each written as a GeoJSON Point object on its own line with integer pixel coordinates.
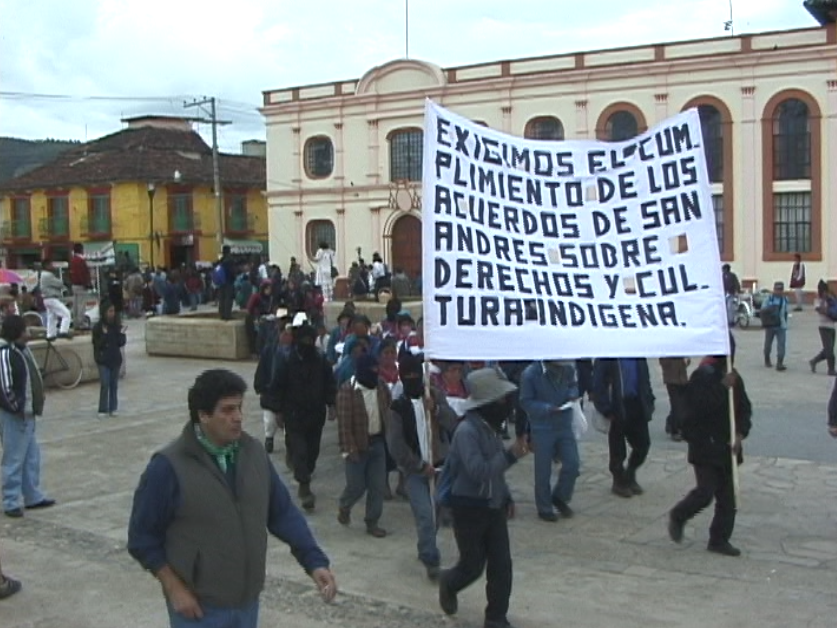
{"type": "Point", "coordinates": [421, 428]}
{"type": "Point", "coordinates": [325, 260]}
{"type": "Point", "coordinates": [370, 400]}
{"type": "Point", "coordinates": [378, 270]}
{"type": "Point", "coordinates": [263, 272]}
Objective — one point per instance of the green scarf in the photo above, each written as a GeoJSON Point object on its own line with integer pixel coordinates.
{"type": "Point", "coordinates": [224, 456]}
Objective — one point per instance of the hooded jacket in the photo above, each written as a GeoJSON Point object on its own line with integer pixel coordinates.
{"type": "Point", "coordinates": [13, 385]}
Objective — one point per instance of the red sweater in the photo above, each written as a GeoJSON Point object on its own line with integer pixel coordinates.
{"type": "Point", "coordinates": [79, 273]}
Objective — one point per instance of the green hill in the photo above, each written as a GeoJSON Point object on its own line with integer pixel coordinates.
{"type": "Point", "coordinates": [20, 156]}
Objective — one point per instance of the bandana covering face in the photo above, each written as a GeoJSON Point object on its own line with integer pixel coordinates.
{"type": "Point", "coordinates": [410, 368]}
{"type": "Point", "coordinates": [224, 456]}
{"type": "Point", "coordinates": [366, 371]}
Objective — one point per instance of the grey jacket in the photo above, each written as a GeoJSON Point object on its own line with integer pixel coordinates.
{"type": "Point", "coordinates": [51, 286]}
{"type": "Point", "coordinates": [478, 463]}
{"type": "Point", "coordinates": [402, 439]}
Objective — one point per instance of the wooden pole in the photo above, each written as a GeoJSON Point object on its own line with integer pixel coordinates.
{"type": "Point", "coordinates": [732, 432]}
{"type": "Point", "coordinates": [428, 427]}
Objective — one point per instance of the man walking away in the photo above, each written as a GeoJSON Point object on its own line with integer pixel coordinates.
{"type": "Point", "coordinates": [225, 280]}
{"type": "Point", "coordinates": [363, 409]}
{"type": "Point", "coordinates": [774, 319]}
{"type": "Point", "coordinates": [732, 288]}
{"type": "Point", "coordinates": [418, 442]}
{"type": "Point", "coordinates": [825, 305]}
{"type": "Point", "coordinates": [202, 511]}
{"type": "Point", "coordinates": [545, 387]}
{"type": "Point", "coordinates": [622, 393]}
{"type": "Point", "coordinates": [797, 281]}
{"type": "Point", "coordinates": [675, 378]}
{"type": "Point", "coordinates": [80, 283]}
{"type": "Point", "coordinates": [480, 498]}
{"type": "Point", "coordinates": [707, 430]}
{"type": "Point", "coordinates": [21, 403]}
{"type": "Point", "coordinates": [304, 391]}
{"type": "Point", "coordinates": [52, 292]}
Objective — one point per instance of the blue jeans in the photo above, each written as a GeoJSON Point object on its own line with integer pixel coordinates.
{"type": "Point", "coordinates": [108, 384]}
{"type": "Point", "coordinates": [367, 475]}
{"type": "Point", "coordinates": [550, 440]}
{"type": "Point", "coordinates": [780, 335]}
{"type": "Point", "coordinates": [21, 462]}
{"type": "Point", "coordinates": [194, 298]}
{"type": "Point", "coordinates": [247, 617]}
{"type": "Point", "coordinates": [418, 490]}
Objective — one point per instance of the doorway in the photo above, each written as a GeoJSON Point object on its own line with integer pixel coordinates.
{"type": "Point", "coordinates": [406, 246]}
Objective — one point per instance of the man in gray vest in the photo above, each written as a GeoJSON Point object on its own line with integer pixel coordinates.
{"type": "Point", "coordinates": [202, 511]}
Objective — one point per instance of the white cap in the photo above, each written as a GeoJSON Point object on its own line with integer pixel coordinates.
{"type": "Point", "coordinates": [300, 319]}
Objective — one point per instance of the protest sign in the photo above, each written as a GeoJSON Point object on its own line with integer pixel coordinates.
{"type": "Point", "coordinates": [536, 249]}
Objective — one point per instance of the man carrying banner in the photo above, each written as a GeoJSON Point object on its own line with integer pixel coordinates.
{"type": "Point", "coordinates": [707, 430]}
{"type": "Point", "coordinates": [622, 393]}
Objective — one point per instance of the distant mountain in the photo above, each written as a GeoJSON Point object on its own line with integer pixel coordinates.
{"type": "Point", "coordinates": [18, 156]}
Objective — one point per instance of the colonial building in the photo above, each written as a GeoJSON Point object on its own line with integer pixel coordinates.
{"type": "Point", "coordinates": [344, 158]}
{"type": "Point", "coordinates": [145, 190]}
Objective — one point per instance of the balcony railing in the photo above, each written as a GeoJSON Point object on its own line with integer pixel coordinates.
{"type": "Point", "coordinates": [16, 230]}
{"type": "Point", "coordinates": [96, 227]}
{"type": "Point", "coordinates": [54, 228]}
{"type": "Point", "coordinates": [240, 223]}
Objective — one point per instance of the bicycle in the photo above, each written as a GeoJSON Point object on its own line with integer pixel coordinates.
{"type": "Point", "coordinates": [63, 369]}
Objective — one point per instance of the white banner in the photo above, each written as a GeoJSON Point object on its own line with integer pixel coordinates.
{"type": "Point", "coordinates": [538, 250]}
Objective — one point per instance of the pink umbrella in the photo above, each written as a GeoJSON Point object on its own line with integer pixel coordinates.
{"type": "Point", "coordinates": [7, 276]}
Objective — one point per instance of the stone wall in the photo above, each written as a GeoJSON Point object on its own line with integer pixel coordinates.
{"type": "Point", "coordinates": [196, 336]}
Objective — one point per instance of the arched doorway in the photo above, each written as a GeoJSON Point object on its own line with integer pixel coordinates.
{"type": "Point", "coordinates": [406, 245]}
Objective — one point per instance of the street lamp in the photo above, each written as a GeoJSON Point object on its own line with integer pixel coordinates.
{"type": "Point", "coordinates": [151, 190]}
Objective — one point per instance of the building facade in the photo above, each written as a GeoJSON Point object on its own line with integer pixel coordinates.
{"type": "Point", "coordinates": [344, 158]}
{"type": "Point", "coordinates": [145, 191]}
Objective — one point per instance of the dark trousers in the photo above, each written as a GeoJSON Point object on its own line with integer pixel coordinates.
{"type": "Point", "coordinates": [677, 401]}
{"type": "Point", "coordinates": [482, 537]}
{"type": "Point", "coordinates": [303, 445]}
{"type": "Point", "coordinates": [226, 296]}
{"type": "Point", "coordinates": [827, 353]}
{"type": "Point", "coordinates": [712, 481]}
{"type": "Point", "coordinates": [631, 430]}
{"type": "Point", "coordinates": [108, 389]}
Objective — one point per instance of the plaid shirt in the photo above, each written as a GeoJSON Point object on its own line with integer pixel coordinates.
{"type": "Point", "coordinates": [353, 420]}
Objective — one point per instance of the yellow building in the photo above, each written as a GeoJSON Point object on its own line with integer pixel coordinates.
{"type": "Point", "coordinates": [145, 192]}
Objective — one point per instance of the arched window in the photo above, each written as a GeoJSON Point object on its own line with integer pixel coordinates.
{"type": "Point", "coordinates": [317, 231]}
{"type": "Point", "coordinates": [621, 126]}
{"type": "Point", "coordinates": [791, 141]}
{"type": "Point", "coordinates": [405, 150]}
{"type": "Point", "coordinates": [544, 128]}
{"type": "Point", "coordinates": [318, 157]}
{"type": "Point", "coordinates": [713, 141]}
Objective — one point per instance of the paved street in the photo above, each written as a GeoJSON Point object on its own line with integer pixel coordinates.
{"type": "Point", "coordinates": [612, 565]}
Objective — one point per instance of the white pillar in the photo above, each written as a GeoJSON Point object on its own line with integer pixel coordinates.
{"type": "Point", "coordinates": [581, 128]}
{"type": "Point", "coordinates": [748, 202]}
{"type": "Point", "coordinates": [829, 227]}
{"type": "Point", "coordinates": [341, 240]}
{"type": "Point", "coordinates": [660, 107]}
{"type": "Point", "coordinates": [373, 174]}
{"type": "Point", "coordinates": [297, 157]}
{"type": "Point", "coordinates": [507, 119]}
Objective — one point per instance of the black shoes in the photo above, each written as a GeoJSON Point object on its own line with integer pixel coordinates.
{"type": "Point", "coordinates": [8, 587]}
{"type": "Point", "coordinates": [549, 517]}
{"type": "Point", "coordinates": [306, 497]}
{"type": "Point", "coordinates": [621, 489]}
{"type": "Point", "coordinates": [563, 508]}
{"type": "Point", "coordinates": [724, 549]}
{"type": "Point", "coordinates": [675, 529]}
{"type": "Point", "coordinates": [344, 516]}
{"type": "Point", "coordinates": [44, 503]}
{"type": "Point", "coordinates": [268, 444]}
{"type": "Point", "coordinates": [433, 572]}
{"type": "Point", "coordinates": [447, 598]}
{"type": "Point", "coordinates": [14, 513]}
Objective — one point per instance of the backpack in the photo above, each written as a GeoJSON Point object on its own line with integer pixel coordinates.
{"type": "Point", "coordinates": [831, 308]}
{"type": "Point", "coordinates": [771, 315]}
{"type": "Point", "coordinates": [219, 275]}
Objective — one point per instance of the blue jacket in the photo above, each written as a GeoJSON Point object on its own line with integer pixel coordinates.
{"type": "Point", "coordinates": [541, 392]}
{"type": "Point", "coordinates": [478, 463]}
{"type": "Point", "coordinates": [782, 302]}
{"type": "Point", "coordinates": [607, 388]}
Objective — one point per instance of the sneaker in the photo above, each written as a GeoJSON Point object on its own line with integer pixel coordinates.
{"type": "Point", "coordinates": [376, 531]}
{"type": "Point", "coordinates": [306, 497]}
{"type": "Point", "coordinates": [781, 367]}
{"type": "Point", "coordinates": [635, 488]}
{"type": "Point", "coordinates": [768, 364]}
{"type": "Point", "coordinates": [675, 529]}
{"type": "Point", "coordinates": [621, 490]}
{"type": "Point", "coordinates": [344, 516]}
{"type": "Point", "coordinates": [813, 366]}
{"type": "Point", "coordinates": [114, 414]}
{"type": "Point", "coordinates": [497, 623]}
{"type": "Point", "coordinates": [268, 444]}
{"type": "Point", "coordinates": [8, 587]}
{"type": "Point", "coordinates": [433, 572]}
{"type": "Point", "coordinates": [14, 513]}
{"type": "Point", "coordinates": [563, 508]}
{"type": "Point", "coordinates": [549, 517]}
{"type": "Point", "coordinates": [725, 549]}
{"type": "Point", "coordinates": [102, 415]}
{"type": "Point", "coordinates": [447, 598]}
{"type": "Point", "coordinates": [44, 503]}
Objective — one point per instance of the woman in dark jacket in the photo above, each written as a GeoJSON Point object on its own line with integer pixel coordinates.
{"type": "Point", "coordinates": [108, 340]}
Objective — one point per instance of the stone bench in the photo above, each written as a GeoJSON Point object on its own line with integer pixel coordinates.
{"type": "Point", "coordinates": [196, 335]}
{"type": "Point", "coordinates": [81, 345]}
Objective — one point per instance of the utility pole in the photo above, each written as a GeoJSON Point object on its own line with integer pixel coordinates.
{"type": "Point", "coordinates": [216, 170]}
{"type": "Point", "coordinates": [406, 29]}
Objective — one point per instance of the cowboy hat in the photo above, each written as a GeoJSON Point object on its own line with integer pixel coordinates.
{"type": "Point", "coordinates": [486, 386]}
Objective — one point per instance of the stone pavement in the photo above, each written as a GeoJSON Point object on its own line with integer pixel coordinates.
{"type": "Point", "coordinates": [612, 565]}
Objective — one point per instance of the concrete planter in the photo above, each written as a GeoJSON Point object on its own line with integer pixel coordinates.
{"type": "Point", "coordinates": [196, 336]}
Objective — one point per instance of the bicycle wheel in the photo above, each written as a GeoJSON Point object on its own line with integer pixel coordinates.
{"type": "Point", "coordinates": [64, 370]}
{"type": "Point", "coordinates": [32, 319]}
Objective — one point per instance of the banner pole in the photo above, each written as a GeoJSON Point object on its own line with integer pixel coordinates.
{"type": "Point", "coordinates": [736, 485]}
{"type": "Point", "coordinates": [429, 430]}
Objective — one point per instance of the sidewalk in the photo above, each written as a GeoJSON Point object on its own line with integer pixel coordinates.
{"type": "Point", "coordinates": [612, 565]}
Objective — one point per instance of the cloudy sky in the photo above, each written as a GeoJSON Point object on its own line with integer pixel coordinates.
{"type": "Point", "coordinates": [72, 69]}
